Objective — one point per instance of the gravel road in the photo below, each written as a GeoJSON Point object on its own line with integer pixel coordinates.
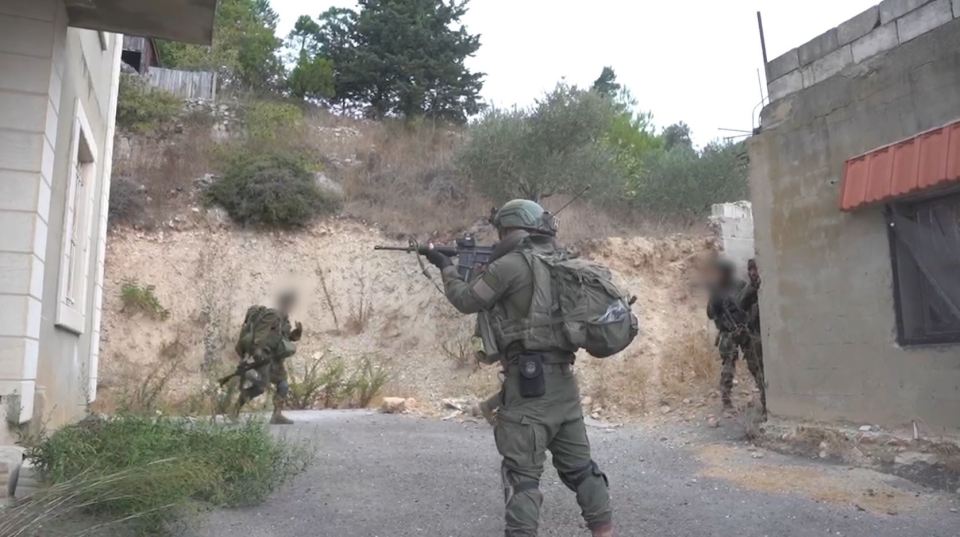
{"type": "Point", "coordinates": [402, 476]}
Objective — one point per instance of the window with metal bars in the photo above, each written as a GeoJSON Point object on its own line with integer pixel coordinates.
{"type": "Point", "coordinates": [925, 243]}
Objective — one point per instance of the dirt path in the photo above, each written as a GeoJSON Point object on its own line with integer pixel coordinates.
{"type": "Point", "coordinates": [400, 476]}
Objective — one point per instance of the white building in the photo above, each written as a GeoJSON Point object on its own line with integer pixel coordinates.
{"type": "Point", "coordinates": [59, 71]}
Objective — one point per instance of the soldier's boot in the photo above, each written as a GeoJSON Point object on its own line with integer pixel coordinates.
{"type": "Point", "coordinates": [278, 418]}
{"type": "Point", "coordinates": [603, 530]}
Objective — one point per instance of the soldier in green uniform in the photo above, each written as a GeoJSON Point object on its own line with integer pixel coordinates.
{"type": "Point", "coordinates": [540, 402]}
{"type": "Point", "coordinates": [725, 309]}
{"type": "Point", "coordinates": [267, 338]}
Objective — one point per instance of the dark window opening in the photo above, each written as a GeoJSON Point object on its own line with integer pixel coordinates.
{"type": "Point", "coordinates": [133, 59]}
{"type": "Point", "coordinates": [925, 244]}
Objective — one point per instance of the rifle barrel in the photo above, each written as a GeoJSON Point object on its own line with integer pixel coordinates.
{"type": "Point", "coordinates": [394, 248]}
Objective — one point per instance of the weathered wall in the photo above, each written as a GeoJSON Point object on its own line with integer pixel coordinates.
{"type": "Point", "coordinates": [827, 302]}
{"type": "Point", "coordinates": [48, 68]}
{"type": "Point", "coordinates": [733, 224]}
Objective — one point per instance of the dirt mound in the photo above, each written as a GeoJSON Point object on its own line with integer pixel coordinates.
{"type": "Point", "coordinates": [360, 303]}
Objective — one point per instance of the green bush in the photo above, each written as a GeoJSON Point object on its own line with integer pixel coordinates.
{"type": "Point", "coordinates": [155, 465]}
{"type": "Point", "coordinates": [269, 121]}
{"type": "Point", "coordinates": [557, 147]}
{"type": "Point", "coordinates": [272, 190]}
{"type": "Point", "coordinates": [143, 109]}
{"type": "Point", "coordinates": [684, 183]}
{"type": "Point", "coordinates": [331, 385]}
{"type": "Point", "coordinates": [138, 298]}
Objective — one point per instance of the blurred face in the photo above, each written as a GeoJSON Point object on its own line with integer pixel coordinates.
{"type": "Point", "coordinates": [752, 272]}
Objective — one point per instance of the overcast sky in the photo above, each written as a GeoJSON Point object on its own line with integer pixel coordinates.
{"type": "Point", "coordinates": [694, 60]}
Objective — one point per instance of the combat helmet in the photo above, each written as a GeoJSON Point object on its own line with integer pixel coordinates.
{"type": "Point", "coordinates": [525, 214]}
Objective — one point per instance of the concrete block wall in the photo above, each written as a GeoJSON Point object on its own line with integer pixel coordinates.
{"type": "Point", "coordinates": [827, 302]}
{"type": "Point", "coordinates": [876, 30]}
{"type": "Point", "coordinates": [733, 225]}
{"type": "Point", "coordinates": [30, 32]}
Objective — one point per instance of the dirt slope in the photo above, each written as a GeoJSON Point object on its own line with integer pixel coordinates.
{"type": "Point", "coordinates": [207, 276]}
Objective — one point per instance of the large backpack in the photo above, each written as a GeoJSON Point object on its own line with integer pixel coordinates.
{"type": "Point", "coordinates": [595, 313]}
{"type": "Point", "coordinates": [262, 329]}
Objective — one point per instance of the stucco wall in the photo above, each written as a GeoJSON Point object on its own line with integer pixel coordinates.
{"type": "Point", "coordinates": [47, 68]}
{"type": "Point", "coordinates": [828, 300]}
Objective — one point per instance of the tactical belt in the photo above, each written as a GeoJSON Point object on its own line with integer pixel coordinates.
{"type": "Point", "coordinates": [549, 357]}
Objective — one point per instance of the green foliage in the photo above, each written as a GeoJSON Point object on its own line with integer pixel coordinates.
{"type": "Point", "coordinates": [137, 298]}
{"type": "Point", "coordinates": [402, 57]}
{"type": "Point", "coordinates": [606, 84]}
{"type": "Point", "coordinates": [678, 136]}
{"type": "Point", "coordinates": [272, 189]}
{"type": "Point", "coordinates": [144, 468]}
{"type": "Point", "coordinates": [244, 52]}
{"type": "Point", "coordinates": [142, 109]}
{"type": "Point", "coordinates": [685, 183]}
{"type": "Point", "coordinates": [369, 378]}
{"type": "Point", "coordinates": [558, 146]}
{"type": "Point", "coordinates": [270, 121]}
{"type": "Point", "coordinates": [312, 78]}
{"type": "Point", "coordinates": [330, 384]}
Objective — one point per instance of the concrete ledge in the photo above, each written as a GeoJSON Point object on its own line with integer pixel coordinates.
{"type": "Point", "coordinates": [827, 66]}
{"type": "Point", "coordinates": [785, 85]}
{"type": "Point", "coordinates": [858, 26]}
{"type": "Point", "coordinates": [956, 8]}
{"type": "Point", "coordinates": [882, 39]}
{"type": "Point", "coordinates": [818, 47]}
{"type": "Point", "coordinates": [785, 63]}
{"type": "Point", "coordinates": [921, 21]}
{"type": "Point", "coordinates": [892, 9]}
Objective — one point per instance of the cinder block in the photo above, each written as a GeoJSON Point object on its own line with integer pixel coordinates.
{"type": "Point", "coordinates": [827, 66]}
{"type": "Point", "coordinates": [818, 47]}
{"type": "Point", "coordinates": [785, 63]}
{"type": "Point", "coordinates": [921, 21]}
{"type": "Point", "coordinates": [792, 82]}
{"type": "Point", "coordinates": [894, 9]}
{"type": "Point", "coordinates": [858, 26]}
{"type": "Point", "coordinates": [880, 40]}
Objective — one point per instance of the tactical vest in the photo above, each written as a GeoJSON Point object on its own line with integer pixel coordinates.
{"type": "Point", "coordinates": [541, 329]}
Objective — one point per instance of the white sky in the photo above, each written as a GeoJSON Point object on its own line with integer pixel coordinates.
{"type": "Point", "coordinates": [690, 60]}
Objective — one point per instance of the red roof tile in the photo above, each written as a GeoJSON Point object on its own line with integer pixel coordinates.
{"type": "Point", "coordinates": [927, 160]}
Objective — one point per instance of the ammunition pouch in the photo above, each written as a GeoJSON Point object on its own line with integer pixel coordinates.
{"type": "Point", "coordinates": [532, 380]}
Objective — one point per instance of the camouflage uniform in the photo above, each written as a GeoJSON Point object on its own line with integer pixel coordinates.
{"type": "Point", "coordinates": [277, 349]}
{"type": "Point", "coordinates": [526, 427]}
{"type": "Point", "coordinates": [732, 339]}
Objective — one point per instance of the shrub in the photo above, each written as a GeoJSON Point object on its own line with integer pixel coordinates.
{"type": "Point", "coordinates": [556, 147]}
{"type": "Point", "coordinates": [271, 189]}
{"type": "Point", "coordinates": [331, 385]}
{"type": "Point", "coordinates": [154, 465]}
{"type": "Point", "coordinates": [368, 380]}
{"type": "Point", "coordinates": [138, 298]}
{"type": "Point", "coordinates": [143, 109]}
{"type": "Point", "coordinates": [685, 183]}
{"type": "Point", "coordinates": [268, 121]}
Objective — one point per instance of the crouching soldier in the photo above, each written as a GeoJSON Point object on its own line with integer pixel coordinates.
{"type": "Point", "coordinates": [540, 402]}
{"type": "Point", "coordinates": [266, 341]}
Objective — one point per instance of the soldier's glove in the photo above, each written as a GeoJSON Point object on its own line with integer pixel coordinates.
{"type": "Point", "coordinates": [437, 259]}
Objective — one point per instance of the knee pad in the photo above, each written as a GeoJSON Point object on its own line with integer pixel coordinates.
{"type": "Point", "coordinates": [283, 388]}
{"type": "Point", "coordinates": [574, 478]}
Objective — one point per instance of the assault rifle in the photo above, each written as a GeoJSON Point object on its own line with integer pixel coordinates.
{"type": "Point", "coordinates": [243, 368]}
{"type": "Point", "coordinates": [470, 257]}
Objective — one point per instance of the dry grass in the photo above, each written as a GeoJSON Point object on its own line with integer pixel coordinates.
{"type": "Point", "coordinates": [407, 182]}
{"type": "Point", "coordinates": [166, 167]}
{"type": "Point", "coordinates": [690, 365]}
